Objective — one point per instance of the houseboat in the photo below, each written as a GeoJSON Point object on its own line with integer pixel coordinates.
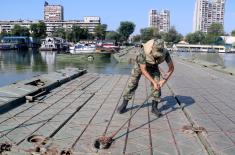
{"type": "Point", "coordinates": [14, 43]}
{"type": "Point", "coordinates": [53, 44]}
{"type": "Point", "coordinates": [199, 48]}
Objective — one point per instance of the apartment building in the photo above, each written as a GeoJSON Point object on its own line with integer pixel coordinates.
{"type": "Point", "coordinates": [208, 12]}
{"type": "Point", "coordinates": [159, 20]}
{"type": "Point", "coordinates": [88, 22]}
{"type": "Point", "coordinates": [54, 19]}
{"type": "Point", "coordinates": [53, 12]}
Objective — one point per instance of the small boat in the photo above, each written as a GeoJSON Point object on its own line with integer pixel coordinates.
{"type": "Point", "coordinates": [82, 48]}
{"type": "Point", "coordinates": [108, 46]}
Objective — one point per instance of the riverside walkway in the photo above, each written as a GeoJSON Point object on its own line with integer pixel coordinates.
{"type": "Point", "coordinates": [197, 103]}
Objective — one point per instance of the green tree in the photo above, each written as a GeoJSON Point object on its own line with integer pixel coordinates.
{"type": "Point", "coordinates": [112, 35]}
{"type": "Point", "coordinates": [233, 33]}
{"type": "Point", "coordinates": [125, 29]}
{"type": "Point", "coordinates": [16, 31]}
{"type": "Point", "coordinates": [78, 34]}
{"type": "Point", "coordinates": [60, 33]}
{"type": "Point", "coordinates": [214, 31]}
{"type": "Point", "coordinates": [146, 34]}
{"type": "Point", "coordinates": [137, 38]}
{"type": "Point", "coordinates": [25, 32]}
{"type": "Point", "coordinates": [20, 31]}
{"type": "Point", "coordinates": [3, 33]}
{"type": "Point", "coordinates": [38, 30]}
{"type": "Point", "coordinates": [172, 36]}
{"type": "Point", "coordinates": [197, 37]}
{"type": "Point", "coordinates": [150, 33]}
{"type": "Point", "coordinates": [100, 31]}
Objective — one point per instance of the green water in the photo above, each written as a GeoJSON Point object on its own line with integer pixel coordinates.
{"type": "Point", "coordinates": [19, 65]}
{"type": "Point", "coordinates": [226, 60]}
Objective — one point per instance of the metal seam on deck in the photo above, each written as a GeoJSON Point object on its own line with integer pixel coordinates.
{"type": "Point", "coordinates": [172, 134]}
{"type": "Point", "coordinates": [40, 102]}
{"type": "Point", "coordinates": [38, 113]}
{"type": "Point", "coordinates": [71, 116]}
{"type": "Point", "coordinates": [149, 125]}
{"type": "Point", "coordinates": [56, 114]}
{"type": "Point", "coordinates": [218, 125]}
{"type": "Point", "coordinates": [129, 124]}
{"type": "Point", "coordinates": [128, 127]}
{"type": "Point", "coordinates": [77, 139]}
{"type": "Point", "coordinates": [114, 110]}
{"type": "Point", "coordinates": [202, 139]}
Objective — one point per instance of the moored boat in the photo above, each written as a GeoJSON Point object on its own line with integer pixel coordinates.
{"type": "Point", "coordinates": [53, 44]}
{"type": "Point", "coordinates": [82, 48]}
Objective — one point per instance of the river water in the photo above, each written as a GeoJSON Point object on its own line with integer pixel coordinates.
{"type": "Point", "coordinates": [20, 65]}
{"type": "Point", "coordinates": [226, 60]}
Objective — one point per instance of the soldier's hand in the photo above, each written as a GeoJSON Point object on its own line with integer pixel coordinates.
{"type": "Point", "coordinates": [156, 86]}
{"type": "Point", "coordinates": [162, 82]}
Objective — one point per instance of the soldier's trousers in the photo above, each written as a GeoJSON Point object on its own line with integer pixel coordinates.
{"type": "Point", "coordinates": [134, 80]}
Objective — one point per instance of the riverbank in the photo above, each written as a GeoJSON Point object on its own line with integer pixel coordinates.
{"type": "Point", "coordinates": [211, 65]}
{"type": "Point", "coordinates": [129, 55]}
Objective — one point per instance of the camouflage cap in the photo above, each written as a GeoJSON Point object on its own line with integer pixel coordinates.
{"type": "Point", "coordinates": [159, 43]}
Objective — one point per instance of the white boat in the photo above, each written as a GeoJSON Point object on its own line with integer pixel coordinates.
{"type": "Point", "coordinates": [82, 48]}
{"type": "Point", "coordinates": [53, 44]}
{"type": "Point", "coordinates": [199, 48]}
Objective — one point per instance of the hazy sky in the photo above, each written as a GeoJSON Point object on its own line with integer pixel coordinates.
{"type": "Point", "coordinates": [114, 11]}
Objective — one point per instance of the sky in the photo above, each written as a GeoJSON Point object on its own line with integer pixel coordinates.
{"type": "Point", "coordinates": [112, 12]}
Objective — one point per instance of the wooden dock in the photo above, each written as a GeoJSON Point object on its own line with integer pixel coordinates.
{"type": "Point", "coordinates": [197, 104]}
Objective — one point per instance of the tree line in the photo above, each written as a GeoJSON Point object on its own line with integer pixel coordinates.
{"type": "Point", "coordinates": [122, 34]}
{"type": "Point", "coordinates": [76, 34]}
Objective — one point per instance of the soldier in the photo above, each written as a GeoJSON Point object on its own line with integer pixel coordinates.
{"type": "Point", "coordinates": [150, 56]}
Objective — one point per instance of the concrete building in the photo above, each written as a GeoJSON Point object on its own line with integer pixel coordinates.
{"type": "Point", "coordinates": [88, 22]}
{"type": "Point", "coordinates": [53, 12]}
{"type": "Point", "coordinates": [7, 25]}
{"type": "Point", "coordinates": [208, 12]}
{"type": "Point", "coordinates": [54, 19]}
{"type": "Point", "coordinates": [160, 20]}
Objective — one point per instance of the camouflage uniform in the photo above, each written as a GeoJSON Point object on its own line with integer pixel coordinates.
{"type": "Point", "coordinates": [152, 69]}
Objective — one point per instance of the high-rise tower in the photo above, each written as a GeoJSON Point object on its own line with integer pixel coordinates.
{"type": "Point", "coordinates": [208, 12]}
{"type": "Point", "coordinates": [160, 20]}
{"type": "Point", "coordinates": [53, 12]}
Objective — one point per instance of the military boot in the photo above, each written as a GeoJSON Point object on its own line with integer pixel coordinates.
{"type": "Point", "coordinates": [122, 108]}
{"type": "Point", "coordinates": [155, 109]}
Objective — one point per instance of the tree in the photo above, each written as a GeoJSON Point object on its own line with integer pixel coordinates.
{"type": "Point", "coordinates": [112, 35]}
{"type": "Point", "coordinates": [233, 33]}
{"type": "Point", "coordinates": [60, 33]}
{"type": "Point", "coordinates": [146, 34]}
{"type": "Point", "coordinates": [214, 31]}
{"type": "Point", "coordinates": [197, 37]}
{"type": "Point", "coordinates": [3, 33]}
{"type": "Point", "coordinates": [125, 29]}
{"type": "Point", "coordinates": [136, 38]}
{"type": "Point", "coordinates": [20, 31]}
{"type": "Point", "coordinates": [172, 36]}
{"type": "Point", "coordinates": [100, 31]}
{"type": "Point", "coordinates": [25, 32]}
{"type": "Point", "coordinates": [150, 33]}
{"type": "Point", "coordinates": [38, 30]}
{"type": "Point", "coordinates": [78, 34]}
